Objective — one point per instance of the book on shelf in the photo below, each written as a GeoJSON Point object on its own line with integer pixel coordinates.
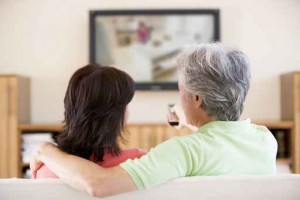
{"type": "Point", "coordinates": [283, 168]}
{"type": "Point", "coordinates": [27, 173]}
{"type": "Point", "coordinates": [282, 138]}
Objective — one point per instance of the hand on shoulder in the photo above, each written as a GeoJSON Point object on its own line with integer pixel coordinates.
{"type": "Point", "coordinates": [36, 163]}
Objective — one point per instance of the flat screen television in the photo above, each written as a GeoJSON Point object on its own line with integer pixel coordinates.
{"type": "Point", "coordinates": [144, 42]}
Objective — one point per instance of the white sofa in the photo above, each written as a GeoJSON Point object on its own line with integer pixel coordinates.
{"type": "Point", "coordinates": [279, 187]}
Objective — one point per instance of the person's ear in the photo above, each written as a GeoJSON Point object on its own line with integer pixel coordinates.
{"type": "Point", "coordinates": [197, 101]}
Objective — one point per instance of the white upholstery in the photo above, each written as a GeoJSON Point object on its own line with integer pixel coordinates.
{"type": "Point", "coordinates": [283, 187]}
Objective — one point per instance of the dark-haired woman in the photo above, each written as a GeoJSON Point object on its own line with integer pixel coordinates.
{"type": "Point", "coordinates": [95, 116]}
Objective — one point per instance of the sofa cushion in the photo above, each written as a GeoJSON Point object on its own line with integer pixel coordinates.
{"type": "Point", "coordinates": [277, 187]}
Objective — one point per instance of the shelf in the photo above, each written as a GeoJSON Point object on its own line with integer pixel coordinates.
{"type": "Point", "coordinates": [154, 134]}
{"type": "Point", "coordinates": [283, 161]}
{"type": "Point", "coordinates": [41, 127]}
{"type": "Point", "coordinates": [59, 127]}
{"type": "Point", "coordinates": [25, 165]}
{"type": "Point", "coordinates": [275, 124]}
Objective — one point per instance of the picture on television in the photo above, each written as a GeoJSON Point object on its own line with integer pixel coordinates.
{"type": "Point", "coordinates": [145, 43]}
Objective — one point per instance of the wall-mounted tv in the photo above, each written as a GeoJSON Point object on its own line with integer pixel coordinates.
{"type": "Point", "coordinates": [144, 42]}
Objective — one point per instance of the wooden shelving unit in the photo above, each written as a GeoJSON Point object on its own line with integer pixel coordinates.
{"type": "Point", "coordinates": [276, 124]}
{"type": "Point", "coordinates": [288, 127]}
{"type": "Point", "coordinates": [15, 115]}
{"type": "Point", "coordinates": [146, 136]}
{"type": "Point", "coordinates": [284, 161]}
{"type": "Point", "coordinates": [40, 128]}
{"type": "Point", "coordinates": [290, 111]}
{"type": "Point", "coordinates": [14, 109]}
{"type": "Point", "coordinates": [25, 165]}
{"type": "Point", "coordinates": [32, 129]}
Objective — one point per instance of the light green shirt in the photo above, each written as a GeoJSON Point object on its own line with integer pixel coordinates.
{"type": "Point", "coordinates": [217, 148]}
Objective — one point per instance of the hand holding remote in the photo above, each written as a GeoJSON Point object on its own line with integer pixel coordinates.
{"type": "Point", "coordinates": [173, 119]}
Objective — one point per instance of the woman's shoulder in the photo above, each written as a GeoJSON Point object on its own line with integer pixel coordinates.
{"type": "Point", "coordinates": [133, 152]}
{"type": "Point", "coordinates": [109, 161]}
{"type": "Point", "coordinates": [125, 154]}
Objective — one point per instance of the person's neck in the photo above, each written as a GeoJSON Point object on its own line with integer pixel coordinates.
{"type": "Point", "coordinates": [204, 119]}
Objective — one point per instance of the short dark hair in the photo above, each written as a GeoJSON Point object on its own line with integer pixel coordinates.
{"type": "Point", "coordinates": [95, 105]}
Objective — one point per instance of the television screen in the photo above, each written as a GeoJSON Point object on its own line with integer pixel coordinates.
{"type": "Point", "coordinates": [144, 42]}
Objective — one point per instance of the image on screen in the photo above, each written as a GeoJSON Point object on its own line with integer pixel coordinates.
{"type": "Point", "coordinates": [145, 45]}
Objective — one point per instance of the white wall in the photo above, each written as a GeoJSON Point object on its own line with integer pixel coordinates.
{"type": "Point", "coordinates": [48, 40]}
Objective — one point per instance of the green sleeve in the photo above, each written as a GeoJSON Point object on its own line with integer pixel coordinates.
{"type": "Point", "coordinates": [166, 161]}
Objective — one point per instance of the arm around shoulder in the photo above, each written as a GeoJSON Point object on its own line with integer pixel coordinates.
{"type": "Point", "coordinates": [110, 181]}
{"type": "Point", "coordinates": [82, 174]}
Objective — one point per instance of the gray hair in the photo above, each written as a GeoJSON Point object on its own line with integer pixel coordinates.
{"type": "Point", "coordinates": [221, 75]}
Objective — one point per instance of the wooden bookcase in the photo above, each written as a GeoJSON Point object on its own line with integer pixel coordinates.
{"type": "Point", "coordinates": [32, 129]}
{"type": "Point", "coordinates": [14, 109]}
{"type": "Point", "coordinates": [15, 115]}
{"type": "Point", "coordinates": [146, 136]}
{"type": "Point", "coordinates": [290, 110]}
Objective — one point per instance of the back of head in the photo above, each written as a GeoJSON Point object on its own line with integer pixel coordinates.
{"type": "Point", "coordinates": [221, 75]}
{"type": "Point", "coordinates": [95, 105]}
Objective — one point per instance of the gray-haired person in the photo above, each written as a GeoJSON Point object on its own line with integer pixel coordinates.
{"type": "Point", "coordinates": [213, 84]}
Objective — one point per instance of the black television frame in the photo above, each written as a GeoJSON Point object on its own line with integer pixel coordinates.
{"type": "Point", "coordinates": [150, 85]}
